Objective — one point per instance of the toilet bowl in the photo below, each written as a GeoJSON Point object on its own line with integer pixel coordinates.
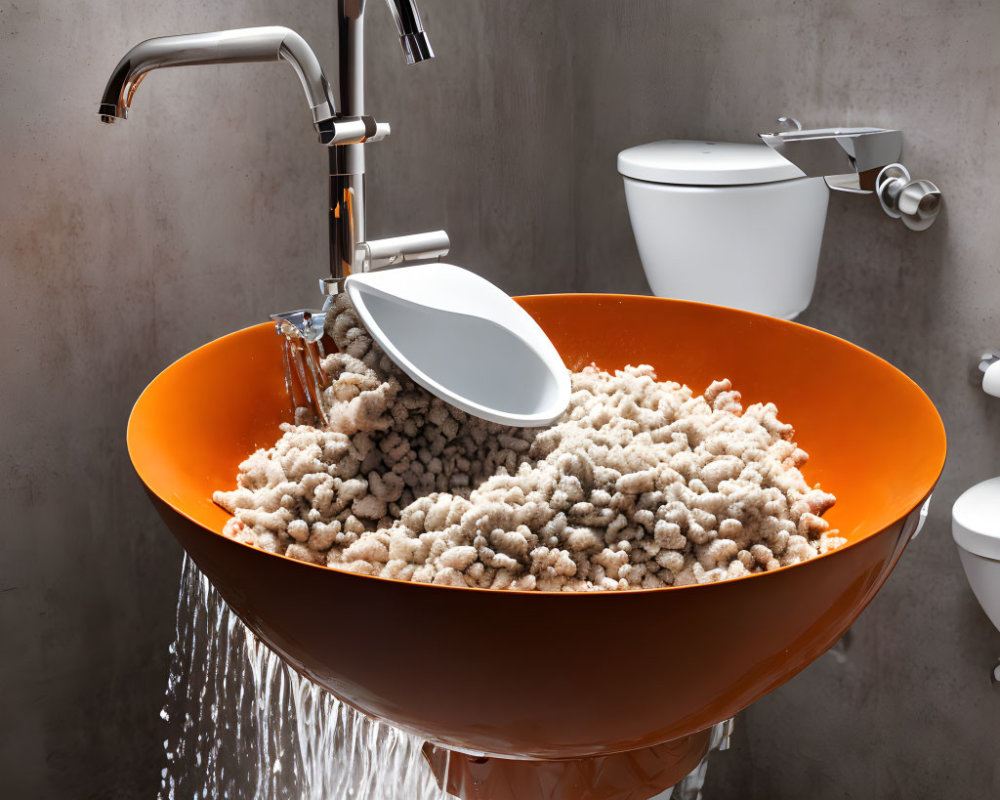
{"type": "Point", "coordinates": [976, 530]}
{"type": "Point", "coordinates": [725, 223]}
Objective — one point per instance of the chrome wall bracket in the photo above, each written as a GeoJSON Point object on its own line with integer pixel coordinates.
{"type": "Point", "coordinates": [859, 161]}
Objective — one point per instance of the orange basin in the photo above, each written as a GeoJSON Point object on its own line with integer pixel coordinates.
{"type": "Point", "coordinates": [551, 676]}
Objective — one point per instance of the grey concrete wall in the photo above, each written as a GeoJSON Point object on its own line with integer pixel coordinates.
{"type": "Point", "coordinates": [122, 248]}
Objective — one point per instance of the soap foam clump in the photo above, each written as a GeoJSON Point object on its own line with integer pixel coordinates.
{"type": "Point", "coordinates": [640, 484]}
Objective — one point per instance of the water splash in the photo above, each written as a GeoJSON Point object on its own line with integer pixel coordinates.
{"type": "Point", "coordinates": [241, 725]}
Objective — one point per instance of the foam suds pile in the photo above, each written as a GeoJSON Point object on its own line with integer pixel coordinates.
{"type": "Point", "coordinates": [641, 484]}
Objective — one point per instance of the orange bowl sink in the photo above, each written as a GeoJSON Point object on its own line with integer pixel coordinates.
{"type": "Point", "coordinates": [537, 675]}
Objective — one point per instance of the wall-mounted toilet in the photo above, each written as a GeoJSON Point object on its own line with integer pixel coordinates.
{"type": "Point", "coordinates": [976, 530]}
{"type": "Point", "coordinates": [725, 223]}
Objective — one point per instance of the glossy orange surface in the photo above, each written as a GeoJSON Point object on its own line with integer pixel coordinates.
{"type": "Point", "coordinates": [632, 775]}
{"type": "Point", "coordinates": [558, 676]}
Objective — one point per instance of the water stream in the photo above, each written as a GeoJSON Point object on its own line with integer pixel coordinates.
{"type": "Point", "coordinates": [241, 725]}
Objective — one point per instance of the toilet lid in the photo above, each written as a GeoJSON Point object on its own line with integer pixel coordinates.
{"type": "Point", "coordinates": [975, 519]}
{"type": "Point", "coordinates": [691, 163]}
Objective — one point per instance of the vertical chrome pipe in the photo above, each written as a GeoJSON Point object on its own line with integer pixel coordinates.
{"type": "Point", "coordinates": [347, 162]}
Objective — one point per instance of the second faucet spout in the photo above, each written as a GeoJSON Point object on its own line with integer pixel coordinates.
{"type": "Point", "coordinates": [416, 45]}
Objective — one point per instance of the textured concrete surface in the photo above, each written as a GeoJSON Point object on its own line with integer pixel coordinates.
{"type": "Point", "coordinates": [122, 248]}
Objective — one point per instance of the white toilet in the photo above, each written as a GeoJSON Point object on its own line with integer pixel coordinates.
{"type": "Point", "coordinates": [976, 529]}
{"type": "Point", "coordinates": [725, 223]}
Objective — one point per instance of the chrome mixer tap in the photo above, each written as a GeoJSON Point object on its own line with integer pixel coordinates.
{"type": "Point", "coordinates": [344, 131]}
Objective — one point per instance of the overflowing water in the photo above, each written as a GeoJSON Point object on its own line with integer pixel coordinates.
{"type": "Point", "coordinates": [241, 725]}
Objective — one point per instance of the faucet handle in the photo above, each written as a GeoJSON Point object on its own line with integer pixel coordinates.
{"type": "Point", "coordinates": [916, 202]}
{"type": "Point", "coordinates": [395, 250]}
{"type": "Point", "coordinates": [382, 129]}
{"type": "Point", "coordinates": [351, 130]}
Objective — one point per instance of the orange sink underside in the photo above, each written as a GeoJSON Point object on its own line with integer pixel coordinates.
{"type": "Point", "coordinates": [561, 676]}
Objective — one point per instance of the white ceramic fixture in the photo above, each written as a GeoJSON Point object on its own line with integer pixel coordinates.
{"type": "Point", "coordinates": [725, 223]}
{"type": "Point", "coordinates": [976, 529]}
{"type": "Point", "coordinates": [464, 340]}
{"type": "Point", "coordinates": [988, 372]}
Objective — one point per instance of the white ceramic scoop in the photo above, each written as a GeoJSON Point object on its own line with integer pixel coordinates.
{"type": "Point", "coordinates": [464, 340]}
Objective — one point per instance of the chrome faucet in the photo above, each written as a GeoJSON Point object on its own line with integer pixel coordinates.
{"type": "Point", "coordinates": [860, 161]}
{"type": "Point", "coordinates": [344, 132]}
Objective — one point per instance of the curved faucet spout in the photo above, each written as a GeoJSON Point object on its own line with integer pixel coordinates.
{"type": "Point", "coordinates": [271, 43]}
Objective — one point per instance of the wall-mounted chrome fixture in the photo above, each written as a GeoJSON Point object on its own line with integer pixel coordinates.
{"type": "Point", "coordinates": [860, 161]}
{"type": "Point", "coordinates": [916, 202]}
{"type": "Point", "coordinates": [344, 131]}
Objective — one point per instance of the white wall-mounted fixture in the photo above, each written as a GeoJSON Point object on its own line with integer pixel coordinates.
{"type": "Point", "coordinates": [725, 223]}
{"type": "Point", "coordinates": [987, 372]}
{"type": "Point", "coordinates": [741, 224]}
{"type": "Point", "coordinates": [975, 519]}
{"type": "Point", "coordinates": [976, 529]}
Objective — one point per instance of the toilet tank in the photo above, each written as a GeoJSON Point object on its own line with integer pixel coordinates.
{"type": "Point", "coordinates": [725, 223]}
